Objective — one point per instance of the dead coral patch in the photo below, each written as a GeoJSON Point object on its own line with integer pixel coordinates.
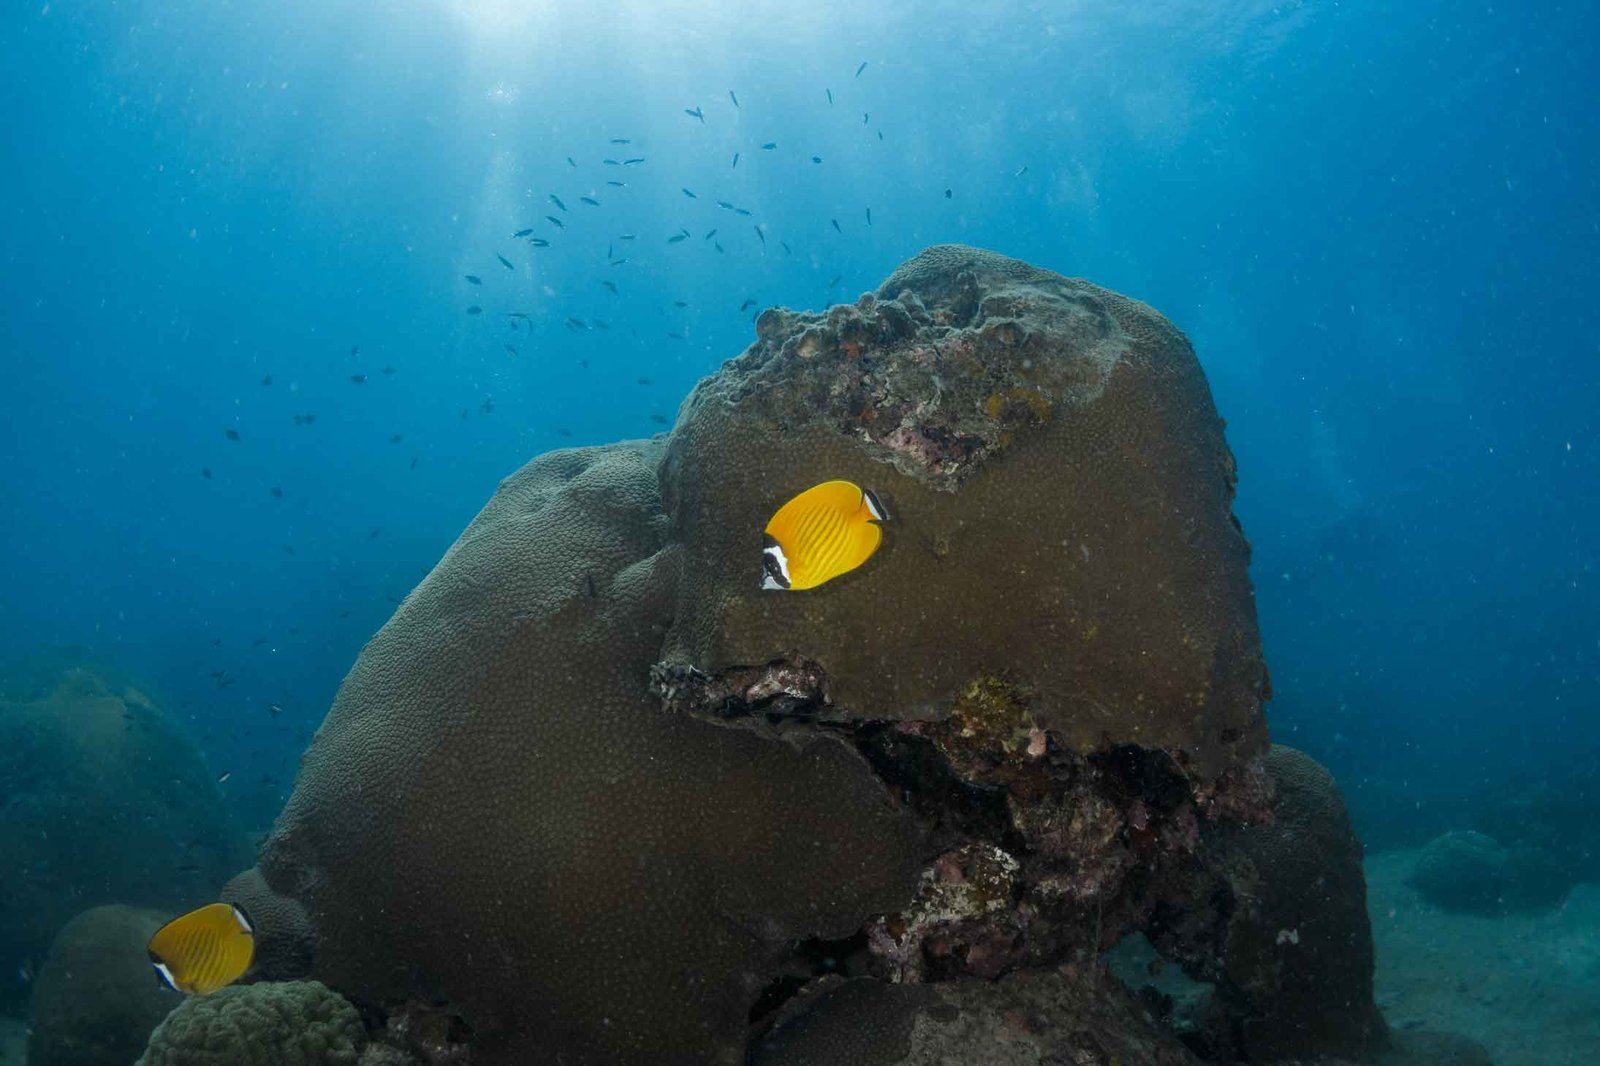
{"type": "Point", "coordinates": [934, 393]}
{"type": "Point", "coordinates": [1037, 854]}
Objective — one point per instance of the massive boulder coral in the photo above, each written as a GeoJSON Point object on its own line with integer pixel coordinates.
{"type": "Point", "coordinates": [293, 1023]}
{"type": "Point", "coordinates": [497, 815]}
{"type": "Point", "coordinates": [1463, 870]}
{"type": "Point", "coordinates": [1061, 496]}
{"type": "Point", "coordinates": [94, 1003]}
{"type": "Point", "coordinates": [103, 799]}
{"type": "Point", "coordinates": [1276, 916]}
{"type": "Point", "coordinates": [594, 795]}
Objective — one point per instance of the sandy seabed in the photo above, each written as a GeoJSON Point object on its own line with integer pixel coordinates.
{"type": "Point", "coordinates": [1525, 986]}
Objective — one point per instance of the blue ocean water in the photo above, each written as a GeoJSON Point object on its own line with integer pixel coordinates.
{"type": "Point", "coordinates": [1376, 223]}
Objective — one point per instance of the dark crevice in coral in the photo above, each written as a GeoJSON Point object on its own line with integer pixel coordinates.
{"type": "Point", "coordinates": [777, 992]}
{"type": "Point", "coordinates": [955, 809]}
{"type": "Point", "coordinates": [1036, 855]}
{"type": "Point", "coordinates": [779, 691]}
{"type": "Point", "coordinates": [1184, 1007]}
{"type": "Point", "coordinates": [806, 961]}
{"type": "Point", "coordinates": [420, 1030]}
{"type": "Point", "coordinates": [1150, 776]}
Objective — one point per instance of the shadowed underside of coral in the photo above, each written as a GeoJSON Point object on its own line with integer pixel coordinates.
{"type": "Point", "coordinates": [596, 796]}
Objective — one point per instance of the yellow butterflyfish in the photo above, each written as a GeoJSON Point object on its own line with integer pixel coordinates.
{"type": "Point", "coordinates": [203, 950]}
{"type": "Point", "coordinates": [827, 530]}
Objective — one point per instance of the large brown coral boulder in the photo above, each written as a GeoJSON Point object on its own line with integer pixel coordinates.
{"type": "Point", "coordinates": [1276, 916]}
{"type": "Point", "coordinates": [496, 814]}
{"type": "Point", "coordinates": [1299, 948]}
{"type": "Point", "coordinates": [597, 795]}
{"type": "Point", "coordinates": [95, 1000]}
{"type": "Point", "coordinates": [1061, 498]}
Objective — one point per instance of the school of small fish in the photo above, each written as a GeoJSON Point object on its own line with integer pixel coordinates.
{"type": "Point", "coordinates": [845, 526]}
{"type": "Point", "coordinates": [713, 237]}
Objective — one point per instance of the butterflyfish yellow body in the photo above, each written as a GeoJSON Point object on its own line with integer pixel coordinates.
{"type": "Point", "coordinates": [827, 530]}
{"type": "Point", "coordinates": [203, 950]}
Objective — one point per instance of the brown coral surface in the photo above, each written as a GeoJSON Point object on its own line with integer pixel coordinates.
{"type": "Point", "coordinates": [601, 799]}
{"type": "Point", "coordinates": [496, 814]}
{"type": "Point", "coordinates": [94, 1002]}
{"type": "Point", "coordinates": [1060, 491]}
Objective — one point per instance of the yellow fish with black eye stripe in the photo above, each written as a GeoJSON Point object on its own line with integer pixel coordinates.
{"type": "Point", "coordinates": [827, 530]}
{"type": "Point", "coordinates": [203, 950]}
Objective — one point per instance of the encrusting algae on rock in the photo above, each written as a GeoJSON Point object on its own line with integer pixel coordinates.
{"type": "Point", "coordinates": [624, 803]}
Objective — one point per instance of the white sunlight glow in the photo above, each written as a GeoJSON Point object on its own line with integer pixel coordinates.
{"type": "Point", "coordinates": [490, 19]}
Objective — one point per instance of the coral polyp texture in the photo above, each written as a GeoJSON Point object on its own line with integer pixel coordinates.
{"type": "Point", "coordinates": [596, 797]}
{"type": "Point", "coordinates": [294, 1023]}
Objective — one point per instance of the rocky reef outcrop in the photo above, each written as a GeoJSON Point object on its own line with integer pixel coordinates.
{"type": "Point", "coordinates": [1549, 821]}
{"type": "Point", "coordinates": [1464, 870]}
{"type": "Point", "coordinates": [103, 799]}
{"type": "Point", "coordinates": [93, 1001]}
{"type": "Point", "coordinates": [1074, 1013]}
{"type": "Point", "coordinates": [592, 796]}
{"type": "Point", "coordinates": [1276, 921]}
{"type": "Point", "coordinates": [1061, 491]}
